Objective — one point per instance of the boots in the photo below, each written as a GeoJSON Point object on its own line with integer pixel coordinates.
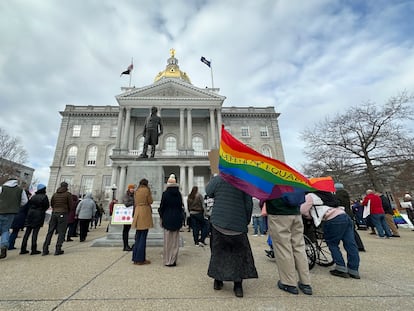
{"type": "Point", "coordinates": [238, 289]}
{"type": "Point", "coordinates": [59, 251]}
{"type": "Point", "coordinates": [3, 252]}
{"type": "Point", "coordinates": [152, 151]}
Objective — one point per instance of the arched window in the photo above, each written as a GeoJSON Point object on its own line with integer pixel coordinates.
{"type": "Point", "coordinates": [267, 151]}
{"type": "Point", "coordinates": [197, 143]}
{"type": "Point", "coordinates": [170, 145]}
{"type": "Point", "coordinates": [92, 154]}
{"type": "Point", "coordinates": [109, 152]}
{"type": "Point", "coordinates": [71, 157]}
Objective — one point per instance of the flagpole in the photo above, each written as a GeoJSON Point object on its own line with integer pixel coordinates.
{"type": "Point", "coordinates": [211, 70]}
{"type": "Point", "coordinates": [130, 74]}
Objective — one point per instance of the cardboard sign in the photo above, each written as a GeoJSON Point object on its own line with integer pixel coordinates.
{"type": "Point", "coordinates": [122, 215]}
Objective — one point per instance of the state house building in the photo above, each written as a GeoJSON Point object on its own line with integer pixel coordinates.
{"type": "Point", "coordinates": [98, 147]}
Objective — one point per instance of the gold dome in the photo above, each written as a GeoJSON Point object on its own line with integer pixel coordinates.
{"type": "Point", "coordinates": [172, 70]}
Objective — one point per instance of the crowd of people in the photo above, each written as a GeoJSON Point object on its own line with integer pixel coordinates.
{"type": "Point", "coordinates": [226, 225]}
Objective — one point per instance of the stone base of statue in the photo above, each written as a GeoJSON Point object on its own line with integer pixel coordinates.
{"type": "Point", "coordinates": [155, 176]}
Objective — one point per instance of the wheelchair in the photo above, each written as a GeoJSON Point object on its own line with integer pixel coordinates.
{"type": "Point", "coordinates": [317, 250]}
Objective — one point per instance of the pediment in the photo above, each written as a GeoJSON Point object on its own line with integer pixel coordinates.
{"type": "Point", "coordinates": [169, 88]}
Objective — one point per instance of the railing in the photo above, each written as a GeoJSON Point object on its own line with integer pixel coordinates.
{"type": "Point", "coordinates": [173, 153]}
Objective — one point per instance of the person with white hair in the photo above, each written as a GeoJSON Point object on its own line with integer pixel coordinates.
{"type": "Point", "coordinates": [410, 208]}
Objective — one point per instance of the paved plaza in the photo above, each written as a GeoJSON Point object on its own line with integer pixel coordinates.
{"type": "Point", "coordinates": [104, 278]}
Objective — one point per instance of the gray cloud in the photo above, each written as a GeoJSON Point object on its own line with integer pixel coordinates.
{"type": "Point", "coordinates": [307, 58]}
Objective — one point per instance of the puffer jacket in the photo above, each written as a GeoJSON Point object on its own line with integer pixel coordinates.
{"type": "Point", "coordinates": [86, 208]}
{"type": "Point", "coordinates": [38, 205]}
{"type": "Point", "coordinates": [61, 201]}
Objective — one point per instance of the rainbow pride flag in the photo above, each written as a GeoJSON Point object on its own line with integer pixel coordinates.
{"type": "Point", "coordinates": [258, 175]}
{"type": "Point", "coordinates": [398, 219]}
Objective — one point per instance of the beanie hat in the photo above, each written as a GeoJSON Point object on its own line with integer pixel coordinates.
{"type": "Point", "coordinates": [171, 179]}
{"type": "Point", "coordinates": [407, 196]}
{"type": "Point", "coordinates": [339, 186]}
{"type": "Point", "coordinates": [131, 186]}
{"type": "Point", "coordinates": [40, 187]}
{"type": "Point", "coordinates": [64, 184]}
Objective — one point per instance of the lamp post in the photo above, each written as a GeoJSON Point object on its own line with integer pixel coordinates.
{"type": "Point", "coordinates": [113, 191]}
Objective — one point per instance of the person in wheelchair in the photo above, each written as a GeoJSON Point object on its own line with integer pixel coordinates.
{"type": "Point", "coordinates": [323, 207]}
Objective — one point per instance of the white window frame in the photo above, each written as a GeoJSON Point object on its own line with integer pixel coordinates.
{"type": "Point", "coordinates": [245, 131]}
{"type": "Point", "coordinates": [96, 129]}
{"type": "Point", "coordinates": [91, 155]}
{"type": "Point", "coordinates": [76, 131]}
{"type": "Point", "coordinates": [72, 155]}
{"type": "Point", "coordinates": [264, 131]}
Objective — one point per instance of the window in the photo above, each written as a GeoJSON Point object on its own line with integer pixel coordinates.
{"type": "Point", "coordinates": [267, 151]}
{"type": "Point", "coordinates": [72, 154]}
{"type": "Point", "coordinates": [95, 130]}
{"type": "Point", "coordinates": [106, 186]}
{"type": "Point", "coordinates": [114, 131]}
{"type": "Point", "coordinates": [264, 132]}
{"type": "Point", "coordinates": [170, 145]}
{"type": "Point", "coordinates": [91, 156]}
{"type": "Point", "coordinates": [245, 132]}
{"type": "Point", "coordinates": [67, 179]}
{"type": "Point", "coordinates": [86, 185]}
{"type": "Point", "coordinates": [109, 152]}
{"type": "Point", "coordinates": [141, 143]}
{"type": "Point", "coordinates": [76, 131]}
{"type": "Point", "coordinates": [197, 143]}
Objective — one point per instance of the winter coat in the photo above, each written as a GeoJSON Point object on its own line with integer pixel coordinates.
{"type": "Point", "coordinates": [11, 197]}
{"type": "Point", "coordinates": [86, 208]}
{"type": "Point", "coordinates": [72, 212]}
{"type": "Point", "coordinates": [20, 218]}
{"type": "Point", "coordinates": [196, 205]}
{"type": "Point", "coordinates": [171, 208]}
{"type": "Point", "coordinates": [143, 212]}
{"type": "Point", "coordinates": [39, 204]}
{"type": "Point", "coordinates": [375, 203]}
{"type": "Point", "coordinates": [61, 201]}
{"type": "Point", "coordinates": [232, 209]}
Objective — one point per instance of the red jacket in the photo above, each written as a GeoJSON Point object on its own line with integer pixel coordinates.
{"type": "Point", "coordinates": [375, 205]}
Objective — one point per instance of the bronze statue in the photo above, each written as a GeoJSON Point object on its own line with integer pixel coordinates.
{"type": "Point", "coordinates": [152, 130]}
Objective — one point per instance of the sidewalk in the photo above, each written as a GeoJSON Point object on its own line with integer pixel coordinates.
{"type": "Point", "coordinates": [104, 278]}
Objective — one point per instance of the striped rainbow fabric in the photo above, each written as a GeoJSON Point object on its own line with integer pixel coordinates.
{"type": "Point", "coordinates": [258, 175]}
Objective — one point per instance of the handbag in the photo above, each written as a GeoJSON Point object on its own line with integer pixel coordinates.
{"type": "Point", "coordinates": [367, 210]}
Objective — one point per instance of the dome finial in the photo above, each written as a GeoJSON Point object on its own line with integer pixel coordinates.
{"type": "Point", "coordinates": [172, 52]}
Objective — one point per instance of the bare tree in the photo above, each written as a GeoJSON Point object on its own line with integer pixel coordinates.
{"type": "Point", "coordinates": [11, 151]}
{"type": "Point", "coordinates": [362, 139]}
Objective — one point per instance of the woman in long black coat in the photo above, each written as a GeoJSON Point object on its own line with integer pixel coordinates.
{"type": "Point", "coordinates": [38, 205]}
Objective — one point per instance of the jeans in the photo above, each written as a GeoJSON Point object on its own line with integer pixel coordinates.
{"type": "Point", "coordinates": [381, 225]}
{"type": "Point", "coordinates": [6, 221]}
{"type": "Point", "coordinates": [258, 225]}
{"type": "Point", "coordinates": [341, 228]}
{"type": "Point", "coordinates": [198, 223]}
{"type": "Point", "coordinates": [139, 250]}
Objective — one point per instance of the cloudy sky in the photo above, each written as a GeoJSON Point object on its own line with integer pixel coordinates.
{"type": "Point", "coordinates": [308, 59]}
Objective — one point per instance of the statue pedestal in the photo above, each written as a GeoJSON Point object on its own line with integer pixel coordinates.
{"type": "Point", "coordinates": [155, 175]}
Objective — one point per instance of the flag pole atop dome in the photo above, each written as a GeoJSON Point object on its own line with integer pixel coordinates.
{"type": "Point", "coordinates": [129, 71]}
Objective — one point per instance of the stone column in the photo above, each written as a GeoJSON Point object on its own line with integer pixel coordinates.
{"type": "Point", "coordinates": [181, 144]}
{"type": "Point", "coordinates": [125, 137]}
{"type": "Point", "coordinates": [219, 123]}
{"type": "Point", "coordinates": [189, 129]}
{"type": "Point", "coordinates": [190, 178]}
{"type": "Point", "coordinates": [213, 129]}
{"type": "Point", "coordinates": [183, 180]}
{"type": "Point", "coordinates": [119, 129]}
{"type": "Point", "coordinates": [121, 186]}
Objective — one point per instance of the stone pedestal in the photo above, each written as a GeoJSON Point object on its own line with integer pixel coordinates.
{"type": "Point", "coordinates": [155, 175]}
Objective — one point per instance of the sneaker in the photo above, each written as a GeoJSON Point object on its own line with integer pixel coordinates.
{"type": "Point", "coordinates": [255, 235]}
{"type": "Point", "coordinates": [287, 288]}
{"type": "Point", "coordinates": [306, 289]}
{"type": "Point", "coordinates": [354, 276]}
{"type": "Point", "coordinates": [339, 273]}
